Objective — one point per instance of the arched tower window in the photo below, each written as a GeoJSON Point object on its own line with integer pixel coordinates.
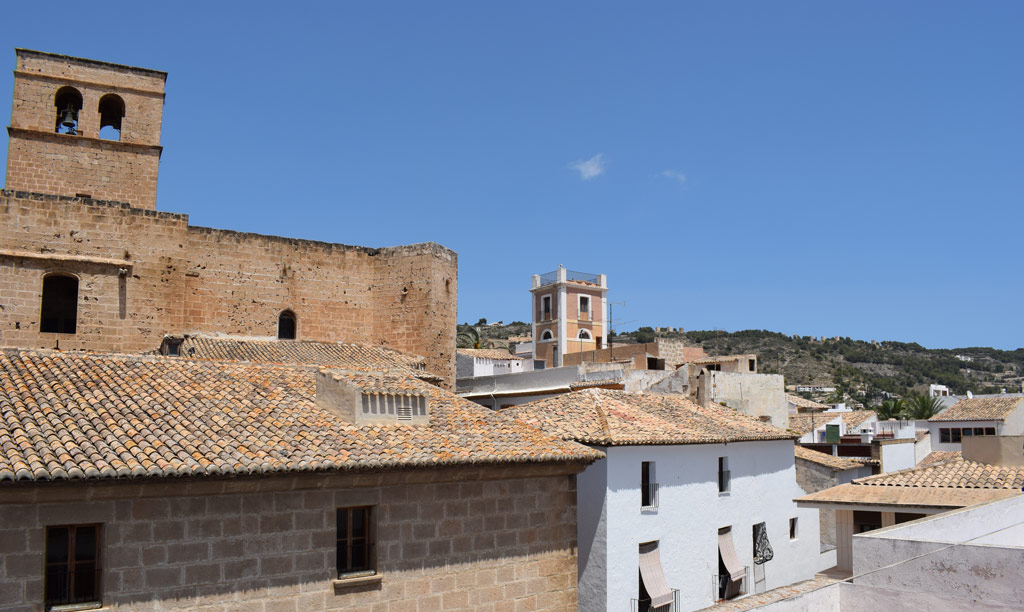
{"type": "Point", "coordinates": [111, 112]}
{"type": "Point", "coordinates": [286, 325]}
{"type": "Point", "coordinates": [546, 335]}
{"type": "Point", "coordinates": [59, 313]}
{"type": "Point", "coordinates": [584, 335]}
{"type": "Point", "coordinates": [68, 102]}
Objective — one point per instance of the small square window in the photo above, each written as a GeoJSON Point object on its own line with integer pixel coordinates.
{"type": "Point", "coordinates": [355, 541]}
{"type": "Point", "coordinates": [955, 435]}
{"type": "Point", "coordinates": [792, 528]}
{"type": "Point", "coordinates": [990, 431]}
{"type": "Point", "coordinates": [944, 435]}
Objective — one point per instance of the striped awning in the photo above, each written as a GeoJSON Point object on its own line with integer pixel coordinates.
{"type": "Point", "coordinates": [729, 557]}
{"type": "Point", "coordinates": [653, 576]}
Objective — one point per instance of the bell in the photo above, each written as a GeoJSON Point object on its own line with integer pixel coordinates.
{"type": "Point", "coordinates": [69, 117]}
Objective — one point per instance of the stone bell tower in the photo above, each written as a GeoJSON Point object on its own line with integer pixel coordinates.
{"type": "Point", "coordinates": [86, 128]}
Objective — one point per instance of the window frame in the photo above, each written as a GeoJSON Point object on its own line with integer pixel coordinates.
{"type": "Point", "coordinates": [794, 528]}
{"type": "Point", "coordinates": [648, 486]}
{"type": "Point", "coordinates": [724, 476]}
{"type": "Point", "coordinates": [944, 435]}
{"type": "Point", "coordinates": [580, 336]}
{"type": "Point", "coordinates": [347, 540]}
{"type": "Point", "coordinates": [70, 568]}
{"type": "Point", "coordinates": [289, 315]}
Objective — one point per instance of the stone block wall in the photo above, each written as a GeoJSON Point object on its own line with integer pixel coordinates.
{"type": "Point", "coordinates": [485, 540]}
{"type": "Point", "coordinates": [93, 241]}
{"type": "Point", "coordinates": [41, 160]}
{"type": "Point", "coordinates": [181, 279]}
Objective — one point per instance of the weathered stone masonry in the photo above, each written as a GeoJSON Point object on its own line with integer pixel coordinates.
{"type": "Point", "coordinates": [446, 540]}
{"type": "Point", "coordinates": [79, 205]}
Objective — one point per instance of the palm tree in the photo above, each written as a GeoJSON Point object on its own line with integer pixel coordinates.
{"type": "Point", "coordinates": [891, 409]}
{"type": "Point", "coordinates": [922, 407]}
{"type": "Point", "coordinates": [468, 336]}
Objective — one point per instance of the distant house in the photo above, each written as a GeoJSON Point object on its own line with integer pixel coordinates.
{"type": "Point", "coordinates": [799, 404]}
{"type": "Point", "coordinates": [995, 415]}
{"type": "Point", "coordinates": [471, 363]}
{"type": "Point", "coordinates": [989, 469]}
{"type": "Point", "coordinates": [691, 504]}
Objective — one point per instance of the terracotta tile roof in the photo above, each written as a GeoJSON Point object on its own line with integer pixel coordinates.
{"type": "Point", "coordinates": [921, 497]}
{"type": "Point", "coordinates": [805, 423]}
{"type": "Point", "coordinates": [357, 357]}
{"type": "Point", "coordinates": [79, 415]}
{"type": "Point", "coordinates": [957, 473]}
{"type": "Point", "coordinates": [489, 354]}
{"type": "Point", "coordinates": [836, 463]}
{"type": "Point", "coordinates": [590, 384]}
{"type": "Point", "coordinates": [939, 457]}
{"type": "Point", "coordinates": [921, 434]}
{"type": "Point", "coordinates": [807, 404]}
{"type": "Point", "coordinates": [980, 409]}
{"type": "Point", "coordinates": [610, 418]}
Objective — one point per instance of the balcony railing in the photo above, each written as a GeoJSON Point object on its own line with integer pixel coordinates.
{"type": "Point", "coordinates": [649, 496]}
{"type": "Point", "coordinates": [723, 587]}
{"type": "Point", "coordinates": [644, 605]}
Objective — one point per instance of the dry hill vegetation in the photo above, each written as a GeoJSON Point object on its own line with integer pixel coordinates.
{"type": "Point", "coordinates": [867, 371]}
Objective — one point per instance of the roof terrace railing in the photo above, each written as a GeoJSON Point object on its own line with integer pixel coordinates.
{"type": "Point", "coordinates": [572, 276]}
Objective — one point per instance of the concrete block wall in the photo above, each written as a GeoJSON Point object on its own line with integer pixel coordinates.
{"type": "Point", "coordinates": [477, 539]}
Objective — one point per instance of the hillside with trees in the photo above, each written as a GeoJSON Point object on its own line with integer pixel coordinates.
{"type": "Point", "coordinates": [867, 371]}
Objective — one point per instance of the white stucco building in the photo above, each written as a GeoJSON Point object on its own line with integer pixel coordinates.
{"type": "Point", "coordinates": [471, 363]}
{"type": "Point", "coordinates": [993, 415]}
{"type": "Point", "coordinates": [672, 513]}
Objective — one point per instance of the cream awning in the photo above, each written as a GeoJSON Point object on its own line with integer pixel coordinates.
{"type": "Point", "coordinates": [653, 576]}
{"type": "Point", "coordinates": [729, 557]}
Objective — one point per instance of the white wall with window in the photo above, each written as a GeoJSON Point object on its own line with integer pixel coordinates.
{"type": "Point", "coordinates": [947, 435]}
{"type": "Point", "coordinates": [613, 520]}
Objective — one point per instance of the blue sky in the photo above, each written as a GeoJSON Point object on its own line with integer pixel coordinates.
{"type": "Point", "coordinates": [852, 169]}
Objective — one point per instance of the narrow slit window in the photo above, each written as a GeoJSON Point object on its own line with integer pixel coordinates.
{"type": "Point", "coordinates": [286, 325]}
{"type": "Point", "coordinates": [60, 305]}
{"type": "Point", "coordinates": [723, 475]}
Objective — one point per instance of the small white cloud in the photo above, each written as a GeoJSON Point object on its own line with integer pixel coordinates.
{"type": "Point", "coordinates": [675, 176]}
{"type": "Point", "coordinates": [591, 168]}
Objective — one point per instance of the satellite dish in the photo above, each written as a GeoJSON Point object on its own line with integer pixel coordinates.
{"type": "Point", "coordinates": [970, 395]}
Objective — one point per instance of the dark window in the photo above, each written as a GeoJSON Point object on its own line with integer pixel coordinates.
{"type": "Point", "coordinates": [355, 540]}
{"type": "Point", "coordinates": [751, 364]}
{"type": "Point", "coordinates": [990, 431]}
{"type": "Point", "coordinates": [538, 364]}
{"type": "Point", "coordinates": [111, 112]}
{"type": "Point", "coordinates": [584, 303]}
{"type": "Point", "coordinates": [648, 488]}
{"type": "Point", "coordinates": [286, 325]}
{"type": "Point", "coordinates": [723, 475]}
{"type": "Point", "coordinates": [944, 435]}
{"type": "Point", "coordinates": [979, 431]}
{"type": "Point", "coordinates": [60, 304]}
{"type": "Point", "coordinates": [72, 565]}
{"type": "Point", "coordinates": [967, 431]}
{"type": "Point", "coordinates": [598, 341]}
{"type": "Point", "coordinates": [955, 435]}
{"type": "Point", "coordinates": [68, 103]}
{"type": "Point", "coordinates": [546, 301]}
{"type": "Point", "coordinates": [792, 528]}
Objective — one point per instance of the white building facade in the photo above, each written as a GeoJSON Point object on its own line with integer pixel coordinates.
{"type": "Point", "coordinates": [687, 519]}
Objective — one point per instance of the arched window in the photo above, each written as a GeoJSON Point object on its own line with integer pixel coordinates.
{"type": "Point", "coordinates": [59, 313]}
{"type": "Point", "coordinates": [68, 102]}
{"type": "Point", "coordinates": [546, 335]}
{"type": "Point", "coordinates": [584, 335]}
{"type": "Point", "coordinates": [111, 112]}
{"type": "Point", "coordinates": [286, 325]}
